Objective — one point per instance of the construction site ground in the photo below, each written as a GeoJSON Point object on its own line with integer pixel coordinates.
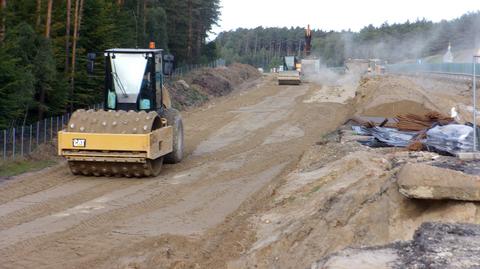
{"type": "Point", "coordinates": [273, 179]}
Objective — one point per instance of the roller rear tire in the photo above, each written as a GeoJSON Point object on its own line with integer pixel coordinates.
{"type": "Point", "coordinates": [174, 119]}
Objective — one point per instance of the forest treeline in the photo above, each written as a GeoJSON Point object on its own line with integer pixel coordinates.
{"type": "Point", "coordinates": [392, 42]}
{"type": "Point", "coordinates": [43, 47]}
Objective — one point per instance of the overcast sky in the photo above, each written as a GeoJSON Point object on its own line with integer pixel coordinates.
{"type": "Point", "coordinates": [336, 14]}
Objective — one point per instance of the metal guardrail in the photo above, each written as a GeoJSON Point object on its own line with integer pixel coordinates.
{"type": "Point", "coordinates": [463, 70]}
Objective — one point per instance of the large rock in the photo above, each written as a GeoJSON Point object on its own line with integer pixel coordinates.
{"type": "Point", "coordinates": [434, 245]}
{"type": "Point", "coordinates": [423, 181]}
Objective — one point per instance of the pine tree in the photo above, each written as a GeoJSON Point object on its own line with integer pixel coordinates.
{"type": "Point", "coordinates": [3, 7]}
{"type": "Point", "coordinates": [49, 18]}
{"type": "Point", "coordinates": [46, 42]}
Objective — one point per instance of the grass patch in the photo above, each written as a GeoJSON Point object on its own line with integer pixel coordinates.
{"type": "Point", "coordinates": [14, 168]}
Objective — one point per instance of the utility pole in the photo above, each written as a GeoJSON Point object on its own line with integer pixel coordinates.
{"type": "Point", "coordinates": [475, 134]}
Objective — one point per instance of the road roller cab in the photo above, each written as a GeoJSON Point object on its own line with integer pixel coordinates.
{"type": "Point", "coordinates": [137, 130]}
{"type": "Point", "coordinates": [133, 78]}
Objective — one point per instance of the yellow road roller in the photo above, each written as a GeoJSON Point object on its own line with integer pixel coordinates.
{"type": "Point", "coordinates": [137, 129]}
{"type": "Point", "coordinates": [290, 75]}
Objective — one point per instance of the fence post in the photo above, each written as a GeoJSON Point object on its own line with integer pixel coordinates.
{"type": "Point", "coordinates": [30, 140]}
{"type": "Point", "coordinates": [62, 123]}
{"type": "Point", "coordinates": [45, 131]}
{"type": "Point", "coordinates": [4, 144]}
{"type": "Point", "coordinates": [13, 144]}
{"type": "Point", "coordinates": [21, 141]}
{"type": "Point", "coordinates": [37, 134]}
{"type": "Point", "coordinates": [51, 128]}
{"type": "Point", "coordinates": [57, 127]}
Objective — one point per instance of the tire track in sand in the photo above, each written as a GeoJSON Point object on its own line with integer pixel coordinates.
{"type": "Point", "coordinates": [56, 199]}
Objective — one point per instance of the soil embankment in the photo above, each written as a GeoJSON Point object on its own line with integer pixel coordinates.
{"type": "Point", "coordinates": [199, 86]}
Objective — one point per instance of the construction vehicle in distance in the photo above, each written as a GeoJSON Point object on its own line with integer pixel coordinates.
{"type": "Point", "coordinates": [310, 64]}
{"type": "Point", "coordinates": [290, 75]}
{"type": "Point", "coordinates": [137, 130]}
{"type": "Point", "coordinates": [293, 68]}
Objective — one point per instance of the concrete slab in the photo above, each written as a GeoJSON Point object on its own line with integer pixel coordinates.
{"type": "Point", "coordinates": [421, 181]}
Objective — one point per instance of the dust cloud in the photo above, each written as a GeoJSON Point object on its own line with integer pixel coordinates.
{"type": "Point", "coordinates": [333, 77]}
{"type": "Point", "coordinates": [415, 45]}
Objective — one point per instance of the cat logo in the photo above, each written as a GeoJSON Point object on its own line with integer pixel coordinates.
{"type": "Point", "coordinates": [79, 143]}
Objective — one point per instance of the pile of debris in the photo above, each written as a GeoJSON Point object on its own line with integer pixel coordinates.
{"type": "Point", "coordinates": [431, 131]}
{"type": "Point", "coordinates": [413, 122]}
{"type": "Point", "coordinates": [434, 245]}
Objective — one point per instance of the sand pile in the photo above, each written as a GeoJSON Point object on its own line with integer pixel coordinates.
{"type": "Point", "coordinates": [388, 96]}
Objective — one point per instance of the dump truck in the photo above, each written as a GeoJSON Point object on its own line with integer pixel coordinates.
{"type": "Point", "coordinates": [137, 129]}
{"type": "Point", "coordinates": [290, 74]}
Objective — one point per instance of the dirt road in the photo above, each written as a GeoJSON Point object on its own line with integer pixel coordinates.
{"type": "Point", "coordinates": [237, 146]}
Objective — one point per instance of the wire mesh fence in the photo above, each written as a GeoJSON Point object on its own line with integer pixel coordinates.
{"type": "Point", "coordinates": [183, 70]}
{"type": "Point", "coordinates": [20, 141]}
